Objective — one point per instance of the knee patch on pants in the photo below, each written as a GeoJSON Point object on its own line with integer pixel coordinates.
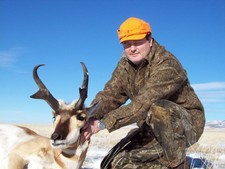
{"type": "Point", "coordinates": [168, 122]}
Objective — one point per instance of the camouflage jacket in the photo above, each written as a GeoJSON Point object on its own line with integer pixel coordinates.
{"type": "Point", "coordinates": [159, 76]}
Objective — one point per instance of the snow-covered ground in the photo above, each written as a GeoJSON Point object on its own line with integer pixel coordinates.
{"type": "Point", "coordinates": [94, 158]}
{"type": "Point", "coordinates": [211, 147]}
{"type": "Point", "coordinates": [218, 163]}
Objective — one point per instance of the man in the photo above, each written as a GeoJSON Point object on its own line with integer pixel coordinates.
{"type": "Point", "coordinates": [164, 106]}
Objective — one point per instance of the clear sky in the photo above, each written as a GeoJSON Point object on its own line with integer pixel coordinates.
{"type": "Point", "coordinates": [61, 33]}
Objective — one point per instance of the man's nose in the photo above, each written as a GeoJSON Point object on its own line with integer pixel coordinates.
{"type": "Point", "coordinates": [133, 47]}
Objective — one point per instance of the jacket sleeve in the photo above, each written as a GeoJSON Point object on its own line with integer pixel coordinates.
{"type": "Point", "coordinates": [113, 95]}
{"type": "Point", "coordinates": [165, 78]}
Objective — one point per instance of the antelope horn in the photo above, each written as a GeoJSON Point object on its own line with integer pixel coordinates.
{"type": "Point", "coordinates": [83, 90]}
{"type": "Point", "coordinates": [43, 92]}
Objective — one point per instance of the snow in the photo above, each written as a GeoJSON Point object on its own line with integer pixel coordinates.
{"type": "Point", "coordinates": [95, 156]}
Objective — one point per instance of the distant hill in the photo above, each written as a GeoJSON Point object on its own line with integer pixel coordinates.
{"type": "Point", "coordinates": [215, 124]}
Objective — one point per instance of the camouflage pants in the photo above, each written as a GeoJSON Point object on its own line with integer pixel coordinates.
{"type": "Point", "coordinates": [161, 142]}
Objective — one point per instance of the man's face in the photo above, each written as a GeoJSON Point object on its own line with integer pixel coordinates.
{"type": "Point", "coordinates": [137, 50]}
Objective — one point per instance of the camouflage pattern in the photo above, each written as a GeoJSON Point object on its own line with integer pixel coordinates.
{"type": "Point", "coordinates": [162, 98]}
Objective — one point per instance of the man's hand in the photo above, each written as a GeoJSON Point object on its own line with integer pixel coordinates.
{"type": "Point", "coordinates": [90, 128]}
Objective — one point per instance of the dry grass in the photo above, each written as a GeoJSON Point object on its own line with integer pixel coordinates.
{"type": "Point", "coordinates": [44, 130]}
{"type": "Point", "coordinates": [213, 138]}
{"type": "Point", "coordinates": [211, 142]}
{"type": "Point", "coordinates": [211, 146]}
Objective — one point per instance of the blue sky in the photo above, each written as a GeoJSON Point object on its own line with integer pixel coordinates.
{"type": "Point", "coordinates": [61, 33]}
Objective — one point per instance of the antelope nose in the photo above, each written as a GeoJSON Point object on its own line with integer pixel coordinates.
{"type": "Point", "coordinates": [55, 136]}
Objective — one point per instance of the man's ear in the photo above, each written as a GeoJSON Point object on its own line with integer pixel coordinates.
{"type": "Point", "coordinates": [151, 40]}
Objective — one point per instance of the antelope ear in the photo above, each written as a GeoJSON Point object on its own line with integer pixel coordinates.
{"type": "Point", "coordinates": [92, 109]}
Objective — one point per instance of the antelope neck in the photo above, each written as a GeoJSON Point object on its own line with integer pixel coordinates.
{"type": "Point", "coordinates": [70, 151]}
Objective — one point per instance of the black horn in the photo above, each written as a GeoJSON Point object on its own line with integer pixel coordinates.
{"type": "Point", "coordinates": [84, 89]}
{"type": "Point", "coordinates": [43, 92]}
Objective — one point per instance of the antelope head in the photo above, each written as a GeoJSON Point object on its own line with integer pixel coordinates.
{"type": "Point", "coordinates": [69, 118]}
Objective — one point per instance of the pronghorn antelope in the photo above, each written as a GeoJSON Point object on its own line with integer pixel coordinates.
{"type": "Point", "coordinates": [22, 148]}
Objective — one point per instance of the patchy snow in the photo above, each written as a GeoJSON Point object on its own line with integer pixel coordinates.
{"type": "Point", "coordinates": [96, 154]}
{"type": "Point", "coordinates": [94, 158]}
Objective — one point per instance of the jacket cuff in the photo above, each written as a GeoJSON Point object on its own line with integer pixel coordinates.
{"type": "Point", "coordinates": [109, 122]}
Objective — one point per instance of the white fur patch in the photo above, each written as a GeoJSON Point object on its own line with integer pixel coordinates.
{"type": "Point", "coordinates": [65, 106]}
{"type": "Point", "coordinates": [11, 136]}
{"type": "Point", "coordinates": [35, 162]}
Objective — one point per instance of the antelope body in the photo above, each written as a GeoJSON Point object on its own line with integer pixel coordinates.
{"type": "Point", "coordinates": [22, 148]}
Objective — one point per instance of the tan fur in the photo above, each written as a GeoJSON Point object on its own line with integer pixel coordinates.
{"type": "Point", "coordinates": [16, 161]}
{"type": "Point", "coordinates": [27, 130]}
{"type": "Point", "coordinates": [40, 146]}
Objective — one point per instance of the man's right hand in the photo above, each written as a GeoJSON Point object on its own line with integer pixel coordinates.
{"type": "Point", "coordinates": [90, 128]}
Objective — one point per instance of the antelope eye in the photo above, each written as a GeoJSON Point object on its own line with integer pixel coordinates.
{"type": "Point", "coordinates": [81, 117]}
{"type": "Point", "coordinates": [53, 118]}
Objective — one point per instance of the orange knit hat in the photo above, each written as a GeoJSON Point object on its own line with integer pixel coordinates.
{"type": "Point", "coordinates": [133, 29]}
